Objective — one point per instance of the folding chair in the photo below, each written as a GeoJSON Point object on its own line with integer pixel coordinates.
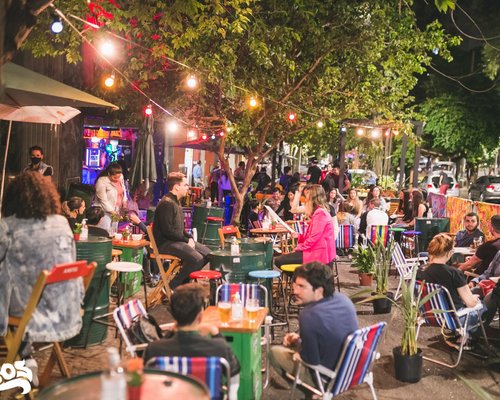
{"type": "Point", "coordinates": [345, 240]}
{"type": "Point", "coordinates": [228, 230]}
{"type": "Point", "coordinates": [440, 311]}
{"type": "Point", "coordinates": [124, 317]}
{"type": "Point", "coordinates": [17, 325]}
{"type": "Point", "coordinates": [162, 290]}
{"type": "Point", "coordinates": [404, 266]}
{"type": "Point", "coordinates": [353, 368]}
{"type": "Point", "coordinates": [379, 232]}
{"type": "Point", "coordinates": [209, 370]}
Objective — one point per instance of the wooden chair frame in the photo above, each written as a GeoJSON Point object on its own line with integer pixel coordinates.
{"type": "Point", "coordinates": [162, 290]}
{"type": "Point", "coordinates": [17, 325]}
{"type": "Point", "coordinates": [228, 230]}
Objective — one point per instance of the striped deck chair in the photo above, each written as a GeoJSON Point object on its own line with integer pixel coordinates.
{"type": "Point", "coordinates": [404, 266]}
{"type": "Point", "coordinates": [379, 232]}
{"type": "Point", "coordinates": [440, 311]}
{"type": "Point", "coordinates": [124, 316]}
{"type": "Point", "coordinates": [345, 239]}
{"type": "Point", "coordinates": [209, 370]}
{"type": "Point", "coordinates": [226, 291]}
{"type": "Point", "coordinates": [353, 368]}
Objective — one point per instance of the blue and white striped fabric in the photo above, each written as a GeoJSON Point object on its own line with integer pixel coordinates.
{"type": "Point", "coordinates": [345, 239]}
{"type": "Point", "coordinates": [440, 302]}
{"type": "Point", "coordinates": [358, 353]}
{"type": "Point", "coordinates": [207, 369]}
{"type": "Point", "coordinates": [246, 291]}
{"type": "Point", "coordinates": [127, 312]}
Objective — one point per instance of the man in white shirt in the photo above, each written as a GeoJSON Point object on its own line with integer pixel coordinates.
{"type": "Point", "coordinates": [374, 216]}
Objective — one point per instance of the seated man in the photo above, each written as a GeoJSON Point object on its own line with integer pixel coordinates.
{"type": "Point", "coordinates": [94, 215]}
{"type": "Point", "coordinates": [485, 253]}
{"type": "Point", "coordinates": [465, 237]}
{"type": "Point", "coordinates": [374, 216]}
{"type": "Point", "coordinates": [324, 323]}
{"type": "Point", "coordinates": [275, 200]}
{"type": "Point", "coordinates": [169, 232]}
{"type": "Point", "coordinates": [191, 338]}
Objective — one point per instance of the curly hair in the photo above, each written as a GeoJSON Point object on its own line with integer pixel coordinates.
{"type": "Point", "coordinates": [31, 195]}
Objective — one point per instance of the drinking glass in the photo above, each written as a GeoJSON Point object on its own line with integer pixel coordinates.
{"type": "Point", "coordinates": [252, 307]}
{"type": "Point", "coordinates": [476, 242]}
{"type": "Point", "coordinates": [224, 312]}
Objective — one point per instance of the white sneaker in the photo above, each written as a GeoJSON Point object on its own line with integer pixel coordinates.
{"type": "Point", "coordinates": [33, 366]}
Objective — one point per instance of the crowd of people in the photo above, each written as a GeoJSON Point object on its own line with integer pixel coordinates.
{"type": "Point", "coordinates": [32, 209]}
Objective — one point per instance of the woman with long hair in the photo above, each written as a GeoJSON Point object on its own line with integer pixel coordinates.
{"type": "Point", "coordinates": [375, 193]}
{"type": "Point", "coordinates": [355, 202]}
{"type": "Point", "coordinates": [419, 207]}
{"type": "Point", "coordinates": [438, 271]}
{"type": "Point", "coordinates": [72, 208]}
{"type": "Point", "coordinates": [345, 215]}
{"type": "Point", "coordinates": [317, 243]}
{"type": "Point", "coordinates": [111, 194]}
{"type": "Point", "coordinates": [34, 237]}
{"type": "Point", "coordinates": [286, 206]}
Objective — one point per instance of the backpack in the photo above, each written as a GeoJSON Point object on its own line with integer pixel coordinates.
{"type": "Point", "coordinates": [144, 329]}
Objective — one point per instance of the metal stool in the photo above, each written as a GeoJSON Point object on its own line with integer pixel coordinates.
{"type": "Point", "coordinates": [265, 274]}
{"type": "Point", "coordinates": [214, 277]}
{"type": "Point", "coordinates": [287, 271]}
{"type": "Point", "coordinates": [396, 233]}
{"type": "Point", "coordinates": [210, 219]}
{"type": "Point", "coordinates": [406, 242]}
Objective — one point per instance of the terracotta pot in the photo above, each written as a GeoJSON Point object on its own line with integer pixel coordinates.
{"type": "Point", "coordinates": [76, 236]}
{"type": "Point", "coordinates": [134, 392]}
{"type": "Point", "coordinates": [365, 279]}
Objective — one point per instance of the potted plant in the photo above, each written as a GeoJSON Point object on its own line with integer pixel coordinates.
{"type": "Point", "coordinates": [363, 260]}
{"type": "Point", "coordinates": [407, 356]}
{"type": "Point", "coordinates": [77, 230]}
{"type": "Point", "coordinates": [135, 378]}
{"type": "Point", "coordinates": [382, 296]}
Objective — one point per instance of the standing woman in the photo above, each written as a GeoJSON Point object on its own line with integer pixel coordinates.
{"type": "Point", "coordinates": [35, 237]}
{"type": "Point", "coordinates": [72, 208]}
{"type": "Point", "coordinates": [418, 206]}
{"type": "Point", "coordinates": [111, 194]}
{"type": "Point", "coordinates": [317, 243]}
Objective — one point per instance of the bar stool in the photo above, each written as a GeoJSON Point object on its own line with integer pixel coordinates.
{"type": "Point", "coordinates": [406, 239]}
{"type": "Point", "coordinates": [287, 271]}
{"type": "Point", "coordinates": [214, 278]}
{"type": "Point", "coordinates": [266, 277]}
{"type": "Point", "coordinates": [207, 221]}
{"type": "Point", "coordinates": [396, 233]}
{"type": "Point", "coordinates": [116, 254]}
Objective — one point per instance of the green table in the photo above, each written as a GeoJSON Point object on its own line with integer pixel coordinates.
{"type": "Point", "coordinates": [235, 269]}
{"type": "Point", "coordinates": [133, 251]}
{"type": "Point", "coordinates": [260, 244]}
{"type": "Point", "coordinates": [244, 339]}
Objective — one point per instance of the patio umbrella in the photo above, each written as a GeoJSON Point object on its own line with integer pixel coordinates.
{"type": "Point", "coordinates": [144, 164]}
{"type": "Point", "coordinates": [32, 97]}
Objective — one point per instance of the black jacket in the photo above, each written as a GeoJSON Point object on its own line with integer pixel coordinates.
{"type": "Point", "coordinates": [168, 223]}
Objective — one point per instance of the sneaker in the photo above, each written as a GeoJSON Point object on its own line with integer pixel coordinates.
{"type": "Point", "coordinates": [33, 366]}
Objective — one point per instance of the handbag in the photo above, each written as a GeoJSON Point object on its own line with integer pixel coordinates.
{"type": "Point", "coordinates": [486, 286]}
{"type": "Point", "coordinates": [144, 329]}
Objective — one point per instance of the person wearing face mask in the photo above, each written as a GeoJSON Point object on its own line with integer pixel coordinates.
{"type": "Point", "coordinates": [37, 164]}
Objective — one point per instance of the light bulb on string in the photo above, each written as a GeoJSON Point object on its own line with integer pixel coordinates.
{"type": "Point", "coordinates": [360, 131]}
{"type": "Point", "coordinates": [56, 26]}
{"type": "Point", "coordinates": [221, 133]}
{"type": "Point", "coordinates": [387, 132]}
{"type": "Point", "coordinates": [252, 102]}
{"type": "Point", "coordinates": [395, 132]}
{"type": "Point", "coordinates": [320, 124]}
{"type": "Point", "coordinates": [191, 82]}
{"type": "Point", "coordinates": [172, 126]}
{"type": "Point", "coordinates": [148, 110]}
{"type": "Point", "coordinates": [375, 133]}
{"type": "Point", "coordinates": [213, 136]}
{"type": "Point", "coordinates": [107, 48]}
{"type": "Point", "coordinates": [109, 81]}
{"type": "Point", "coordinates": [204, 136]}
{"type": "Point", "coordinates": [292, 117]}
{"type": "Point", "coordinates": [191, 134]}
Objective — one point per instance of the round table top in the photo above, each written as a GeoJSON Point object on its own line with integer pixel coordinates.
{"type": "Point", "coordinates": [464, 250]}
{"type": "Point", "coordinates": [157, 384]}
{"type": "Point", "coordinates": [268, 231]}
{"type": "Point", "coordinates": [243, 253]}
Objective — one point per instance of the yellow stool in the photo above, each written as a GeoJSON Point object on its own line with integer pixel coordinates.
{"type": "Point", "coordinates": [287, 271]}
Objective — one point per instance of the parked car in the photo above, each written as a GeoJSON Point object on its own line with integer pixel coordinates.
{"type": "Point", "coordinates": [486, 188]}
{"type": "Point", "coordinates": [446, 166]}
{"type": "Point", "coordinates": [362, 177]}
{"type": "Point", "coordinates": [430, 183]}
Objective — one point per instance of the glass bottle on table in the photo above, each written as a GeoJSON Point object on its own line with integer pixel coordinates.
{"type": "Point", "coordinates": [113, 380]}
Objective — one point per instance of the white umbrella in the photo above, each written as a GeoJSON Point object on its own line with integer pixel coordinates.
{"type": "Point", "coordinates": [32, 97]}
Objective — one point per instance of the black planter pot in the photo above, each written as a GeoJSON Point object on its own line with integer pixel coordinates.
{"type": "Point", "coordinates": [382, 306]}
{"type": "Point", "coordinates": [408, 368]}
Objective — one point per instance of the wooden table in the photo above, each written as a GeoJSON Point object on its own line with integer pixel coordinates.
{"type": "Point", "coordinates": [466, 251]}
{"type": "Point", "coordinates": [157, 385]}
{"type": "Point", "coordinates": [279, 236]}
{"type": "Point", "coordinates": [244, 339]}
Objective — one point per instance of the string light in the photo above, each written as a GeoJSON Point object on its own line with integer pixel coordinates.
{"type": "Point", "coordinates": [204, 136]}
{"type": "Point", "coordinates": [109, 81]}
{"type": "Point", "coordinates": [221, 133]}
{"type": "Point", "coordinates": [56, 26]}
{"type": "Point", "coordinates": [108, 48]}
{"type": "Point", "coordinates": [191, 134]}
{"type": "Point", "coordinates": [360, 131]}
{"type": "Point", "coordinates": [292, 116]}
{"type": "Point", "coordinates": [252, 102]}
{"type": "Point", "coordinates": [191, 82]}
{"type": "Point", "coordinates": [320, 124]}
{"type": "Point", "coordinates": [213, 136]}
{"type": "Point", "coordinates": [148, 110]}
{"type": "Point", "coordinates": [375, 133]}
{"type": "Point", "coordinates": [172, 126]}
